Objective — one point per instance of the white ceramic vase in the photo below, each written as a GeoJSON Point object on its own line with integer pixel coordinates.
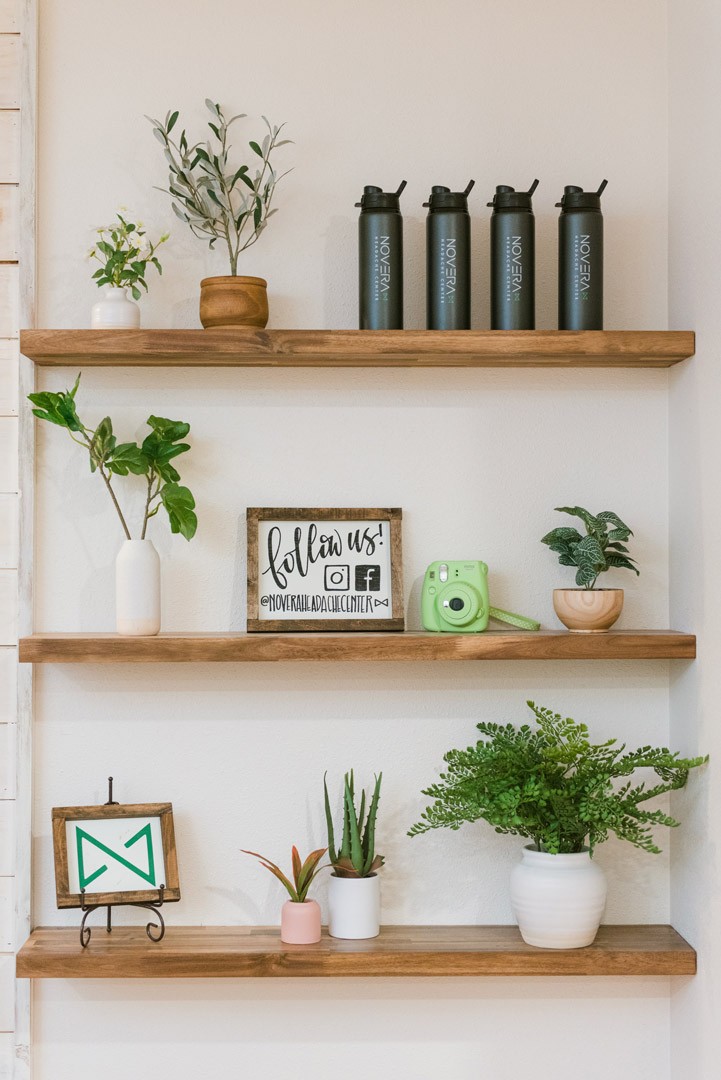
{"type": "Point", "coordinates": [558, 900]}
{"type": "Point", "coordinates": [114, 311]}
{"type": "Point", "coordinates": [354, 907]}
{"type": "Point", "coordinates": [137, 589]}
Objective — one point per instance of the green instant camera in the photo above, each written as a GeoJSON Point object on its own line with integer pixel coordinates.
{"type": "Point", "coordinates": [455, 600]}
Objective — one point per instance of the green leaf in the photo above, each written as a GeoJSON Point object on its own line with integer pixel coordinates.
{"type": "Point", "coordinates": [128, 457]}
{"type": "Point", "coordinates": [256, 149]}
{"type": "Point", "coordinates": [180, 504]}
{"type": "Point", "coordinates": [172, 121]}
{"type": "Point", "coordinates": [622, 561]}
{"type": "Point", "coordinates": [102, 443]}
{"type": "Point", "coordinates": [168, 429]}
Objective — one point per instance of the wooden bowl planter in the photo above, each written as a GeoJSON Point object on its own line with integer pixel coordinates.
{"type": "Point", "coordinates": [233, 301]}
{"type": "Point", "coordinates": [588, 611]}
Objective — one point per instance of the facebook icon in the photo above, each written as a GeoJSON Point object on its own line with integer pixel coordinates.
{"type": "Point", "coordinates": [367, 578]}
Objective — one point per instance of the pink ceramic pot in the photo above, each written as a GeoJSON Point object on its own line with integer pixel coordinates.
{"type": "Point", "coordinates": [300, 923]}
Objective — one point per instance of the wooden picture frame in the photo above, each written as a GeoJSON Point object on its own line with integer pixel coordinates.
{"type": "Point", "coordinates": [338, 551]}
{"type": "Point", "coordinates": [69, 866]}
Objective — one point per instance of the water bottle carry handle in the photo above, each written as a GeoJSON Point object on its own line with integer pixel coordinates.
{"type": "Point", "coordinates": [519, 621]}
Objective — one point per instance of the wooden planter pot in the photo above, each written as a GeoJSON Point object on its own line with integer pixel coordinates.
{"type": "Point", "coordinates": [588, 611]}
{"type": "Point", "coordinates": [233, 301]}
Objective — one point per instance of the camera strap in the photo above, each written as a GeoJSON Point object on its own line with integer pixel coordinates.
{"type": "Point", "coordinates": [515, 620]}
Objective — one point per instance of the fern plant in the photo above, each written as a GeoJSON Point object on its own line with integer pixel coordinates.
{"type": "Point", "coordinates": [554, 786]}
{"type": "Point", "coordinates": [356, 857]}
{"type": "Point", "coordinates": [603, 546]}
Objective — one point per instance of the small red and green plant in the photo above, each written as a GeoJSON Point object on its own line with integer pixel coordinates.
{"type": "Point", "coordinates": [304, 873]}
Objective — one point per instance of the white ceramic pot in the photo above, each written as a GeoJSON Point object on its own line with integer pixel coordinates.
{"type": "Point", "coordinates": [558, 900]}
{"type": "Point", "coordinates": [114, 311]}
{"type": "Point", "coordinates": [354, 907]}
{"type": "Point", "coordinates": [137, 589]}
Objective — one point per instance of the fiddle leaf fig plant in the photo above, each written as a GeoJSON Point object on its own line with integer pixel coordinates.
{"type": "Point", "coordinates": [217, 200]}
{"type": "Point", "coordinates": [603, 546]}
{"type": "Point", "coordinates": [554, 786]}
{"type": "Point", "coordinates": [356, 857]}
{"type": "Point", "coordinates": [152, 459]}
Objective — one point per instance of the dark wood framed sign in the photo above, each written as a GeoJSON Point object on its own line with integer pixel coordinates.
{"type": "Point", "coordinates": [117, 854]}
{"type": "Point", "coordinates": [324, 569]}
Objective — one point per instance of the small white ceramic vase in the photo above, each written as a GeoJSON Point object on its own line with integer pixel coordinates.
{"type": "Point", "coordinates": [137, 589]}
{"type": "Point", "coordinates": [558, 900]}
{"type": "Point", "coordinates": [354, 907]}
{"type": "Point", "coordinates": [114, 311]}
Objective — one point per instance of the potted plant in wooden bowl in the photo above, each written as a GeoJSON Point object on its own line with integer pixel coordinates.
{"type": "Point", "coordinates": [223, 202]}
{"type": "Point", "coordinates": [137, 568]}
{"type": "Point", "coordinates": [299, 917]}
{"type": "Point", "coordinates": [566, 795]}
{"type": "Point", "coordinates": [354, 886]}
{"type": "Point", "coordinates": [587, 609]}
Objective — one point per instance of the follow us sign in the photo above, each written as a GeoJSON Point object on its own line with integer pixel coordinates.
{"type": "Point", "coordinates": [324, 569]}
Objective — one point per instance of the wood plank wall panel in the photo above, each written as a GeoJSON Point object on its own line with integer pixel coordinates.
{"type": "Point", "coordinates": [9, 356]}
{"type": "Point", "coordinates": [8, 454]}
{"type": "Point", "coordinates": [8, 532]}
{"type": "Point", "coordinates": [8, 685]}
{"type": "Point", "coordinates": [9, 71]}
{"type": "Point", "coordinates": [9, 16]}
{"type": "Point", "coordinates": [9, 300]}
{"type": "Point", "coordinates": [9, 223]}
{"type": "Point", "coordinates": [9, 146]}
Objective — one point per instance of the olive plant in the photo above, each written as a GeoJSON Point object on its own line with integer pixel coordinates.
{"type": "Point", "coordinates": [603, 546]}
{"type": "Point", "coordinates": [152, 459]}
{"type": "Point", "coordinates": [217, 200]}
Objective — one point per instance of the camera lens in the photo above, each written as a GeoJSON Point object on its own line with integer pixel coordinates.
{"type": "Point", "coordinates": [456, 603]}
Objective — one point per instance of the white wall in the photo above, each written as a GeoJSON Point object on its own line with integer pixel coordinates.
{"type": "Point", "coordinates": [476, 459]}
{"type": "Point", "coordinates": [695, 451]}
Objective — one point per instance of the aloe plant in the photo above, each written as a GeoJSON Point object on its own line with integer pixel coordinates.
{"type": "Point", "coordinates": [303, 873]}
{"type": "Point", "coordinates": [356, 856]}
{"type": "Point", "coordinates": [603, 546]}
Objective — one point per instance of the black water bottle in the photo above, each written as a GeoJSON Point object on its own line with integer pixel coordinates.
{"type": "Point", "coordinates": [513, 259]}
{"type": "Point", "coordinates": [380, 259]}
{"type": "Point", "coordinates": [448, 259]}
{"type": "Point", "coordinates": [580, 259]}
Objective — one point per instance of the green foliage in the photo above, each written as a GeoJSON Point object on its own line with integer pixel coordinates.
{"type": "Point", "coordinates": [124, 250]}
{"type": "Point", "coordinates": [553, 786]}
{"type": "Point", "coordinates": [303, 873]}
{"type": "Point", "coordinates": [151, 460]}
{"type": "Point", "coordinates": [602, 547]}
{"type": "Point", "coordinates": [216, 200]}
{"type": "Point", "coordinates": [356, 856]}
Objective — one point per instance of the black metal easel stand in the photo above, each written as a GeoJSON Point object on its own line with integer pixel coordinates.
{"type": "Point", "coordinates": [151, 905]}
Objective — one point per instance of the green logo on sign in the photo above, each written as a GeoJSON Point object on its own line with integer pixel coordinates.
{"type": "Point", "coordinates": [85, 881]}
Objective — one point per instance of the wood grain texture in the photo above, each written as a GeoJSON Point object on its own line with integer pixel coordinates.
{"type": "Point", "coordinates": [405, 951]}
{"type": "Point", "coordinates": [358, 348]}
{"type": "Point", "coordinates": [234, 647]}
{"type": "Point", "coordinates": [393, 515]}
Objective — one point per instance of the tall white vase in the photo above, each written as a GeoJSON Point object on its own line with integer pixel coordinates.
{"type": "Point", "coordinates": [558, 900]}
{"type": "Point", "coordinates": [354, 907]}
{"type": "Point", "coordinates": [114, 311]}
{"type": "Point", "coordinates": [137, 589]}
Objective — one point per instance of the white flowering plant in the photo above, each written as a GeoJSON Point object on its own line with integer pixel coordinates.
{"type": "Point", "coordinates": [125, 251]}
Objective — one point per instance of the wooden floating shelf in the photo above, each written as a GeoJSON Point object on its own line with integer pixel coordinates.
{"type": "Point", "coordinates": [211, 952]}
{"type": "Point", "coordinates": [357, 348]}
{"type": "Point", "coordinates": [240, 648]}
